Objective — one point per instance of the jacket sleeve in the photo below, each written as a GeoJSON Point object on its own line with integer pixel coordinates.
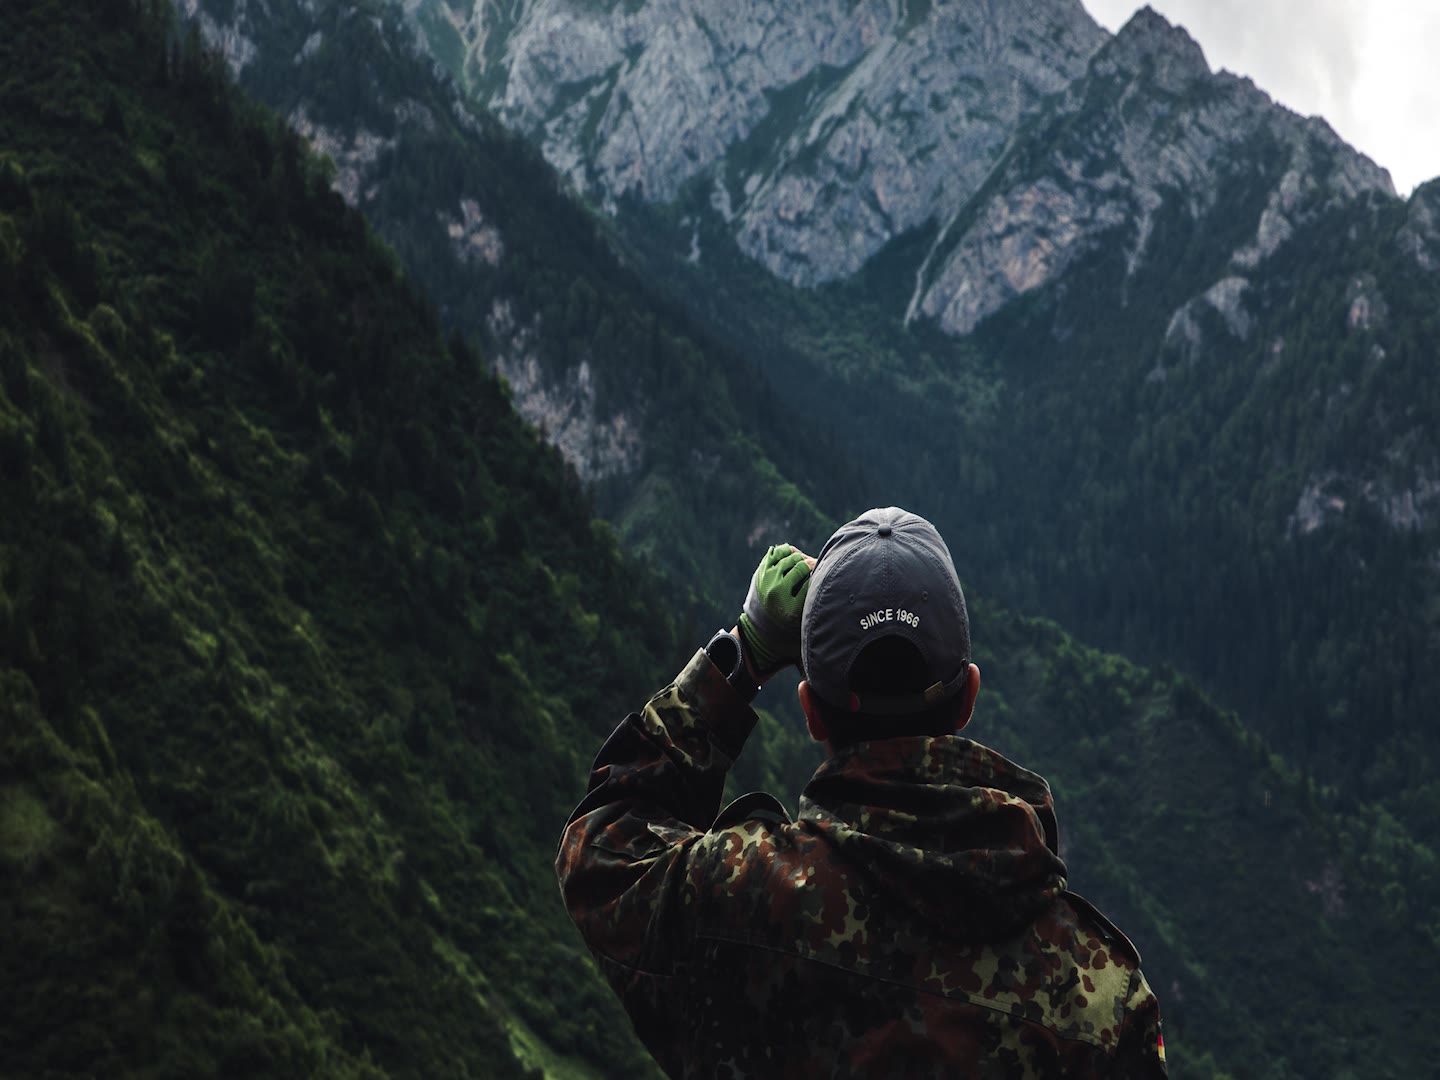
{"type": "Point", "coordinates": [1140, 1054]}
{"type": "Point", "coordinates": [628, 857]}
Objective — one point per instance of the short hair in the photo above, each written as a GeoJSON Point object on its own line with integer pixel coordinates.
{"type": "Point", "coordinates": [887, 666]}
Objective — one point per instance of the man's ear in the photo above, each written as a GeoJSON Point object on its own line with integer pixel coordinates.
{"type": "Point", "coordinates": [966, 698]}
{"type": "Point", "coordinates": [813, 720]}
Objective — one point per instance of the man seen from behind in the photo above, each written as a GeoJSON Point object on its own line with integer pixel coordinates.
{"type": "Point", "coordinates": [913, 919]}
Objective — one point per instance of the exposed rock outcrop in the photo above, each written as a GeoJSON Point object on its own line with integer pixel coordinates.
{"type": "Point", "coordinates": [1420, 237]}
{"type": "Point", "coordinates": [639, 99]}
{"type": "Point", "coordinates": [226, 37]}
{"type": "Point", "coordinates": [1227, 299]}
{"type": "Point", "coordinates": [1367, 308]}
{"type": "Point", "coordinates": [1323, 172]}
{"type": "Point", "coordinates": [473, 237]}
{"type": "Point", "coordinates": [829, 126]}
{"type": "Point", "coordinates": [1407, 505]}
{"type": "Point", "coordinates": [912, 129]}
{"type": "Point", "coordinates": [353, 153]}
{"type": "Point", "coordinates": [824, 129]}
{"type": "Point", "coordinates": [562, 405]}
{"type": "Point", "coordinates": [1022, 239]}
{"type": "Point", "coordinates": [1148, 124]}
{"type": "Point", "coordinates": [1317, 504]}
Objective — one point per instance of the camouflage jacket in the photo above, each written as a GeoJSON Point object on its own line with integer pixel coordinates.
{"type": "Point", "coordinates": [913, 921]}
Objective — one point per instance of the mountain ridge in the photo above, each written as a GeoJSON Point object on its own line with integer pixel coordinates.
{"type": "Point", "coordinates": [1196, 128]}
{"type": "Point", "coordinates": [678, 80]}
{"type": "Point", "coordinates": [839, 176]}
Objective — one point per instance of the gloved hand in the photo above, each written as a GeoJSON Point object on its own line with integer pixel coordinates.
{"type": "Point", "coordinates": [770, 622]}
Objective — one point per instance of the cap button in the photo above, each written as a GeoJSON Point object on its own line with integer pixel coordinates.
{"type": "Point", "coordinates": [883, 530]}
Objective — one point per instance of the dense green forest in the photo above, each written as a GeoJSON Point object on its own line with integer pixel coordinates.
{"type": "Point", "coordinates": [303, 645]}
{"type": "Point", "coordinates": [306, 641]}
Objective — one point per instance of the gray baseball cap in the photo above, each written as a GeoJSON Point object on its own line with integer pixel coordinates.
{"type": "Point", "coordinates": [886, 573]}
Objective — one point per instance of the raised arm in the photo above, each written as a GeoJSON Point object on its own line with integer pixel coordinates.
{"type": "Point", "coordinates": [627, 862]}
{"type": "Point", "coordinates": [625, 857]}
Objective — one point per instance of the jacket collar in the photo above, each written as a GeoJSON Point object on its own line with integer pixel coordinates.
{"type": "Point", "coordinates": [956, 831]}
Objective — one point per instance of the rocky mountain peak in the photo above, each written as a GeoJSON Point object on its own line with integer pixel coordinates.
{"type": "Point", "coordinates": [1148, 126]}
{"type": "Point", "coordinates": [821, 130]}
{"type": "Point", "coordinates": [825, 128]}
{"type": "Point", "coordinates": [1150, 43]}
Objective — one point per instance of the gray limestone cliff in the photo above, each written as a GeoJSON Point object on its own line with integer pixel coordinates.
{"type": "Point", "coordinates": [562, 405]}
{"type": "Point", "coordinates": [1149, 125]}
{"type": "Point", "coordinates": [826, 127]}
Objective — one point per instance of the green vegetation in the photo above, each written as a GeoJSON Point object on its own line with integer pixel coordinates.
{"type": "Point", "coordinates": [298, 677]}
{"type": "Point", "coordinates": [1218, 858]}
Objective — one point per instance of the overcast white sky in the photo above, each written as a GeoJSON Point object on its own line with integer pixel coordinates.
{"type": "Point", "coordinates": [1369, 67]}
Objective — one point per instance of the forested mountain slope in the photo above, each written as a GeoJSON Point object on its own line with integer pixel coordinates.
{"type": "Point", "coordinates": [305, 640]}
{"type": "Point", "coordinates": [305, 636]}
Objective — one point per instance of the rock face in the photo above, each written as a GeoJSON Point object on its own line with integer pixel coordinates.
{"type": "Point", "coordinates": [1367, 307]}
{"type": "Point", "coordinates": [914, 126]}
{"type": "Point", "coordinates": [1408, 505]}
{"type": "Point", "coordinates": [639, 101]}
{"type": "Point", "coordinates": [353, 153]}
{"type": "Point", "coordinates": [474, 237]}
{"type": "Point", "coordinates": [562, 405]}
{"type": "Point", "coordinates": [226, 37]}
{"type": "Point", "coordinates": [827, 127]}
{"type": "Point", "coordinates": [1227, 299]}
{"type": "Point", "coordinates": [820, 130]}
{"type": "Point", "coordinates": [1149, 124]}
{"type": "Point", "coordinates": [1421, 235]}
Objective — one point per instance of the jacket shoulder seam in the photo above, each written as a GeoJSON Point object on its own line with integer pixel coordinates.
{"type": "Point", "coordinates": [1108, 930]}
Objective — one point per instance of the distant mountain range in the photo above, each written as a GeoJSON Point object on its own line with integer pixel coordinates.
{"type": "Point", "coordinates": [823, 131]}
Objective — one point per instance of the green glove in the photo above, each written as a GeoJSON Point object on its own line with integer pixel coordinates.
{"type": "Point", "coordinates": [770, 621]}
